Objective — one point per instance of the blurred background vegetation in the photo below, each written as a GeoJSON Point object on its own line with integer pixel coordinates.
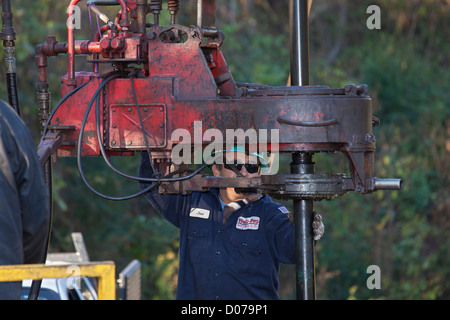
{"type": "Point", "coordinates": [406, 66]}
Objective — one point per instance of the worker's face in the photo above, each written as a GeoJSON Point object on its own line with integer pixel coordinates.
{"type": "Point", "coordinates": [229, 194]}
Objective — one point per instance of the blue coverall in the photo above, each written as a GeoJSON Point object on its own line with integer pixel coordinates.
{"type": "Point", "coordinates": [236, 260]}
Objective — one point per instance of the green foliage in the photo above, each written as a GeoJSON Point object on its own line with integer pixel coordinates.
{"type": "Point", "coordinates": [405, 64]}
{"type": "Point", "coordinates": [265, 56]}
{"type": "Point", "coordinates": [402, 232]}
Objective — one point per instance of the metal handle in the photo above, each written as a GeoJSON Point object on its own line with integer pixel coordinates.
{"type": "Point", "coordinates": [388, 184]}
{"type": "Point", "coordinates": [308, 123]}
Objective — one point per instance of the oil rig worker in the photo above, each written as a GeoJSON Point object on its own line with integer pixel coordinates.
{"type": "Point", "coordinates": [231, 244]}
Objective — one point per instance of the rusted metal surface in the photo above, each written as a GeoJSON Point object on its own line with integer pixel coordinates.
{"type": "Point", "coordinates": [125, 131]}
{"type": "Point", "coordinates": [307, 125]}
{"type": "Point", "coordinates": [204, 182]}
{"type": "Point", "coordinates": [184, 79]}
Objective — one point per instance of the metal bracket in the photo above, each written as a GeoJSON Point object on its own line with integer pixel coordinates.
{"type": "Point", "coordinates": [125, 130]}
{"type": "Point", "coordinates": [49, 145]}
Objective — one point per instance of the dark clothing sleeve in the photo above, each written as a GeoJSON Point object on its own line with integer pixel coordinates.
{"type": "Point", "coordinates": [281, 236]}
{"type": "Point", "coordinates": [24, 199]}
{"type": "Point", "coordinates": [173, 207]}
{"type": "Point", "coordinates": [24, 196]}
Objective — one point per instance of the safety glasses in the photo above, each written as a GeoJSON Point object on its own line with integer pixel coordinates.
{"type": "Point", "coordinates": [250, 167]}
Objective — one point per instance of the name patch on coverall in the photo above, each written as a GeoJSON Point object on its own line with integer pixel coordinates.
{"type": "Point", "coordinates": [250, 223]}
{"type": "Point", "coordinates": [199, 213]}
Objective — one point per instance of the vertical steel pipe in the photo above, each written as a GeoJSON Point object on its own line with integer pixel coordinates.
{"type": "Point", "coordinates": [299, 38]}
{"type": "Point", "coordinates": [301, 161]}
{"type": "Point", "coordinates": [142, 16]}
{"type": "Point", "coordinates": [206, 13]}
{"type": "Point", "coordinates": [304, 237]}
{"type": "Point", "coordinates": [305, 271]}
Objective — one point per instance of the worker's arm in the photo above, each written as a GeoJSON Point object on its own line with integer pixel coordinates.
{"type": "Point", "coordinates": [172, 206]}
{"type": "Point", "coordinates": [281, 235]}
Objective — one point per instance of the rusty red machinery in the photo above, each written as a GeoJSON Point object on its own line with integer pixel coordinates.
{"type": "Point", "coordinates": [164, 78]}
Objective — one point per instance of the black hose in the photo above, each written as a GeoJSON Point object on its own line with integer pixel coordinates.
{"type": "Point", "coordinates": [80, 140]}
{"type": "Point", "coordinates": [36, 283]}
{"type": "Point", "coordinates": [8, 35]}
{"type": "Point", "coordinates": [147, 148]}
{"type": "Point", "coordinates": [68, 95]}
{"type": "Point", "coordinates": [13, 97]}
{"type": "Point", "coordinates": [156, 181]}
{"type": "Point", "coordinates": [142, 179]}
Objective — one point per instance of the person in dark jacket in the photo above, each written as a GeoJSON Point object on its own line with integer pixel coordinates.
{"type": "Point", "coordinates": [231, 244]}
{"type": "Point", "coordinates": [24, 199]}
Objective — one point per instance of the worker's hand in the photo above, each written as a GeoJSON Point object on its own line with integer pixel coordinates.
{"type": "Point", "coordinates": [318, 226]}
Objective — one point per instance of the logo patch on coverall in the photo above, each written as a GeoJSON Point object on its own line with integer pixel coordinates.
{"type": "Point", "coordinates": [199, 213]}
{"type": "Point", "coordinates": [250, 223]}
{"type": "Point", "coordinates": [283, 209]}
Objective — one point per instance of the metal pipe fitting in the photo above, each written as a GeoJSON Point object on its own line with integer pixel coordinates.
{"type": "Point", "coordinates": [388, 184]}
